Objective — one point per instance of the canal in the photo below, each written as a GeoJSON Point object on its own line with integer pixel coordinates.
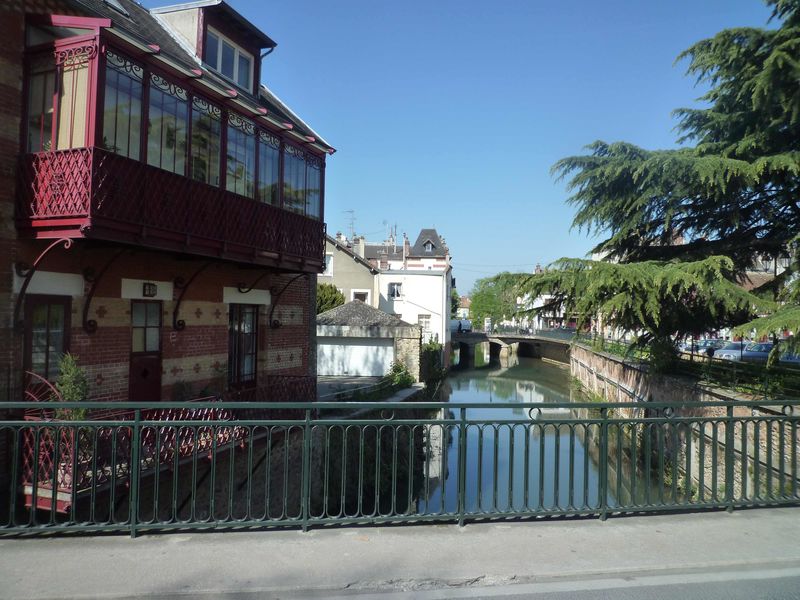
{"type": "Point", "coordinates": [517, 460]}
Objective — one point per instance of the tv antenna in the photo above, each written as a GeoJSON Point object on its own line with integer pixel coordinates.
{"type": "Point", "coordinates": [352, 221]}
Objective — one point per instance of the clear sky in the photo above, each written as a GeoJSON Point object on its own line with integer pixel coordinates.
{"type": "Point", "coordinates": [449, 114]}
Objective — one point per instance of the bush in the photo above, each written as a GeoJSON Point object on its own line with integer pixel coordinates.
{"type": "Point", "coordinates": [73, 386]}
{"type": "Point", "coordinates": [399, 375]}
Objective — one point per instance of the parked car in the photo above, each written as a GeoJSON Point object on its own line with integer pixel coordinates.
{"type": "Point", "coordinates": [790, 359]}
{"type": "Point", "coordinates": [730, 351]}
{"type": "Point", "coordinates": [701, 346]}
{"type": "Point", "coordinates": [757, 352]}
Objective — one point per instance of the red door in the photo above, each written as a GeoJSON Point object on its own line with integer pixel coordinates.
{"type": "Point", "coordinates": [145, 369]}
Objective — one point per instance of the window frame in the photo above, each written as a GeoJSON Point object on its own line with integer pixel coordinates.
{"type": "Point", "coordinates": [397, 286]}
{"type": "Point", "coordinates": [238, 51]}
{"type": "Point", "coordinates": [366, 292]}
{"type": "Point", "coordinates": [235, 356]}
{"type": "Point", "coordinates": [328, 272]}
{"type": "Point", "coordinates": [147, 352]}
{"type": "Point", "coordinates": [31, 302]}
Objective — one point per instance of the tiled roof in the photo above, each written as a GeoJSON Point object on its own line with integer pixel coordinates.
{"type": "Point", "coordinates": [429, 235]}
{"type": "Point", "coordinates": [356, 313]}
{"type": "Point", "coordinates": [377, 251]}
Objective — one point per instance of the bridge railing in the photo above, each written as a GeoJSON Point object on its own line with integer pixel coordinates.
{"type": "Point", "coordinates": [404, 462]}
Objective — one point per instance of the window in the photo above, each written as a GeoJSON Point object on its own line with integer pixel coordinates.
{"type": "Point", "coordinates": [122, 114]}
{"type": "Point", "coordinates": [294, 179]}
{"type": "Point", "coordinates": [58, 97]}
{"type": "Point", "coordinates": [269, 164]}
{"type": "Point", "coordinates": [41, 89]}
{"type": "Point", "coordinates": [167, 125]}
{"type": "Point", "coordinates": [424, 321]}
{"type": "Point", "coordinates": [73, 102]}
{"type": "Point", "coordinates": [47, 333]}
{"type": "Point", "coordinates": [361, 295]}
{"type": "Point", "coordinates": [228, 59]}
{"type": "Point", "coordinates": [395, 290]}
{"type": "Point", "coordinates": [206, 141]}
{"type": "Point", "coordinates": [240, 175]}
{"type": "Point", "coordinates": [428, 247]}
{"type": "Point", "coordinates": [145, 326]}
{"type": "Point", "coordinates": [328, 272]}
{"type": "Point", "coordinates": [313, 187]}
{"type": "Point", "coordinates": [242, 345]}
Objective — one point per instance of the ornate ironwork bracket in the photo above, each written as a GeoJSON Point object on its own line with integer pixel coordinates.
{"type": "Point", "coordinates": [89, 275]}
{"type": "Point", "coordinates": [180, 324]}
{"type": "Point", "coordinates": [244, 289]}
{"type": "Point", "coordinates": [274, 323]}
{"type": "Point", "coordinates": [28, 272]}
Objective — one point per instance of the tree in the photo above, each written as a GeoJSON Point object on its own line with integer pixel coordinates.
{"type": "Point", "coordinates": [328, 297]}
{"type": "Point", "coordinates": [492, 297]}
{"type": "Point", "coordinates": [701, 213]}
{"type": "Point", "coordinates": [455, 301]}
{"type": "Point", "coordinates": [654, 298]}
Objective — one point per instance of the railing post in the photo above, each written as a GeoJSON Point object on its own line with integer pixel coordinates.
{"type": "Point", "coordinates": [462, 466]}
{"type": "Point", "coordinates": [305, 494]}
{"type": "Point", "coordinates": [603, 475]}
{"type": "Point", "coordinates": [133, 497]}
{"type": "Point", "coordinates": [729, 458]}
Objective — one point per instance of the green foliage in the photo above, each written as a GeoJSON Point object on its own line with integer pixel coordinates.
{"type": "Point", "coordinates": [658, 299]}
{"type": "Point", "coordinates": [399, 375]}
{"type": "Point", "coordinates": [492, 299]}
{"type": "Point", "coordinates": [328, 297]}
{"type": "Point", "coordinates": [455, 300]}
{"type": "Point", "coordinates": [73, 386]}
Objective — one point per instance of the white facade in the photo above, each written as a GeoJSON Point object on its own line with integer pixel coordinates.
{"type": "Point", "coordinates": [354, 357]}
{"type": "Point", "coordinates": [420, 298]}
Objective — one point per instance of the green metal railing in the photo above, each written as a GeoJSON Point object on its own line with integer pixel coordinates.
{"type": "Point", "coordinates": [135, 467]}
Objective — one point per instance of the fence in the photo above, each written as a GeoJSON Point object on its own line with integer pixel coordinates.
{"type": "Point", "coordinates": [238, 465]}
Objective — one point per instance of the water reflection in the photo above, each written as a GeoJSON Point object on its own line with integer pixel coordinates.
{"type": "Point", "coordinates": [515, 461]}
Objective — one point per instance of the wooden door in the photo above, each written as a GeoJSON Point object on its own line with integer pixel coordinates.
{"type": "Point", "coordinates": [145, 365]}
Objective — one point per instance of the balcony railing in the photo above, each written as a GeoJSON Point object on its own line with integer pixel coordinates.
{"type": "Point", "coordinates": [93, 193]}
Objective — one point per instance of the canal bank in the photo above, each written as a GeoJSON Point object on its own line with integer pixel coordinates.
{"type": "Point", "coordinates": [427, 561]}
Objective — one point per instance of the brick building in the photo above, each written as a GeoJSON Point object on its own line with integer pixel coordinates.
{"type": "Point", "coordinates": [161, 211]}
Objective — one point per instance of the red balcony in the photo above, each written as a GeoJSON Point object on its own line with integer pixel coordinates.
{"type": "Point", "coordinates": [94, 194]}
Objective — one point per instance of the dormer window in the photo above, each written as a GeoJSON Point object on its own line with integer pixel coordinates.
{"type": "Point", "coordinates": [228, 59]}
{"type": "Point", "coordinates": [428, 247]}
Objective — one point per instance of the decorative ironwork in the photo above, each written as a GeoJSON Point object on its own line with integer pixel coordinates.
{"type": "Point", "coordinates": [124, 65]}
{"type": "Point", "coordinates": [242, 124]}
{"type": "Point", "coordinates": [126, 200]}
{"type": "Point", "coordinates": [29, 273]}
{"type": "Point", "coordinates": [294, 151]}
{"type": "Point", "coordinates": [212, 110]}
{"type": "Point", "coordinates": [168, 86]}
{"type": "Point", "coordinates": [90, 325]}
{"type": "Point", "coordinates": [182, 285]}
{"type": "Point", "coordinates": [75, 56]}
{"type": "Point", "coordinates": [269, 139]}
{"type": "Point", "coordinates": [274, 323]}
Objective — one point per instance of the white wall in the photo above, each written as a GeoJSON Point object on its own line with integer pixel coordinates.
{"type": "Point", "coordinates": [424, 292]}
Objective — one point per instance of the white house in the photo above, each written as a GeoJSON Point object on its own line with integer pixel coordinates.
{"type": "Point", "coordinates": [419, 297]}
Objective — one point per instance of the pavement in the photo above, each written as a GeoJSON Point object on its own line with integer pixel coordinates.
{"type": "Point", "coordinates": [746, 554]}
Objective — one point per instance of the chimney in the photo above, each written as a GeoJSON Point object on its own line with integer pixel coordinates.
{"type": "Point", "coordinates": [538, 269]}
{"type": "Point", "coordinates": [358, 246]}
{"type": "Point", "coordinates": [340, 237]}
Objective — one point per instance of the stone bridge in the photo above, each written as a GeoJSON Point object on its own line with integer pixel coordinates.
{"type": "Point", "coordinates": [550, 344]}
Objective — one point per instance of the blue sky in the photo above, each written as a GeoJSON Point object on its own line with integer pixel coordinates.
{"type": "Point", "coordinates": [449, 114]}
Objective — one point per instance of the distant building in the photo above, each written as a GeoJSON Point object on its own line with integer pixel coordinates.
{"type": "Point", "coordinates": [464, 303]}
{"type": "Point", "coordinates": [412, 282]}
